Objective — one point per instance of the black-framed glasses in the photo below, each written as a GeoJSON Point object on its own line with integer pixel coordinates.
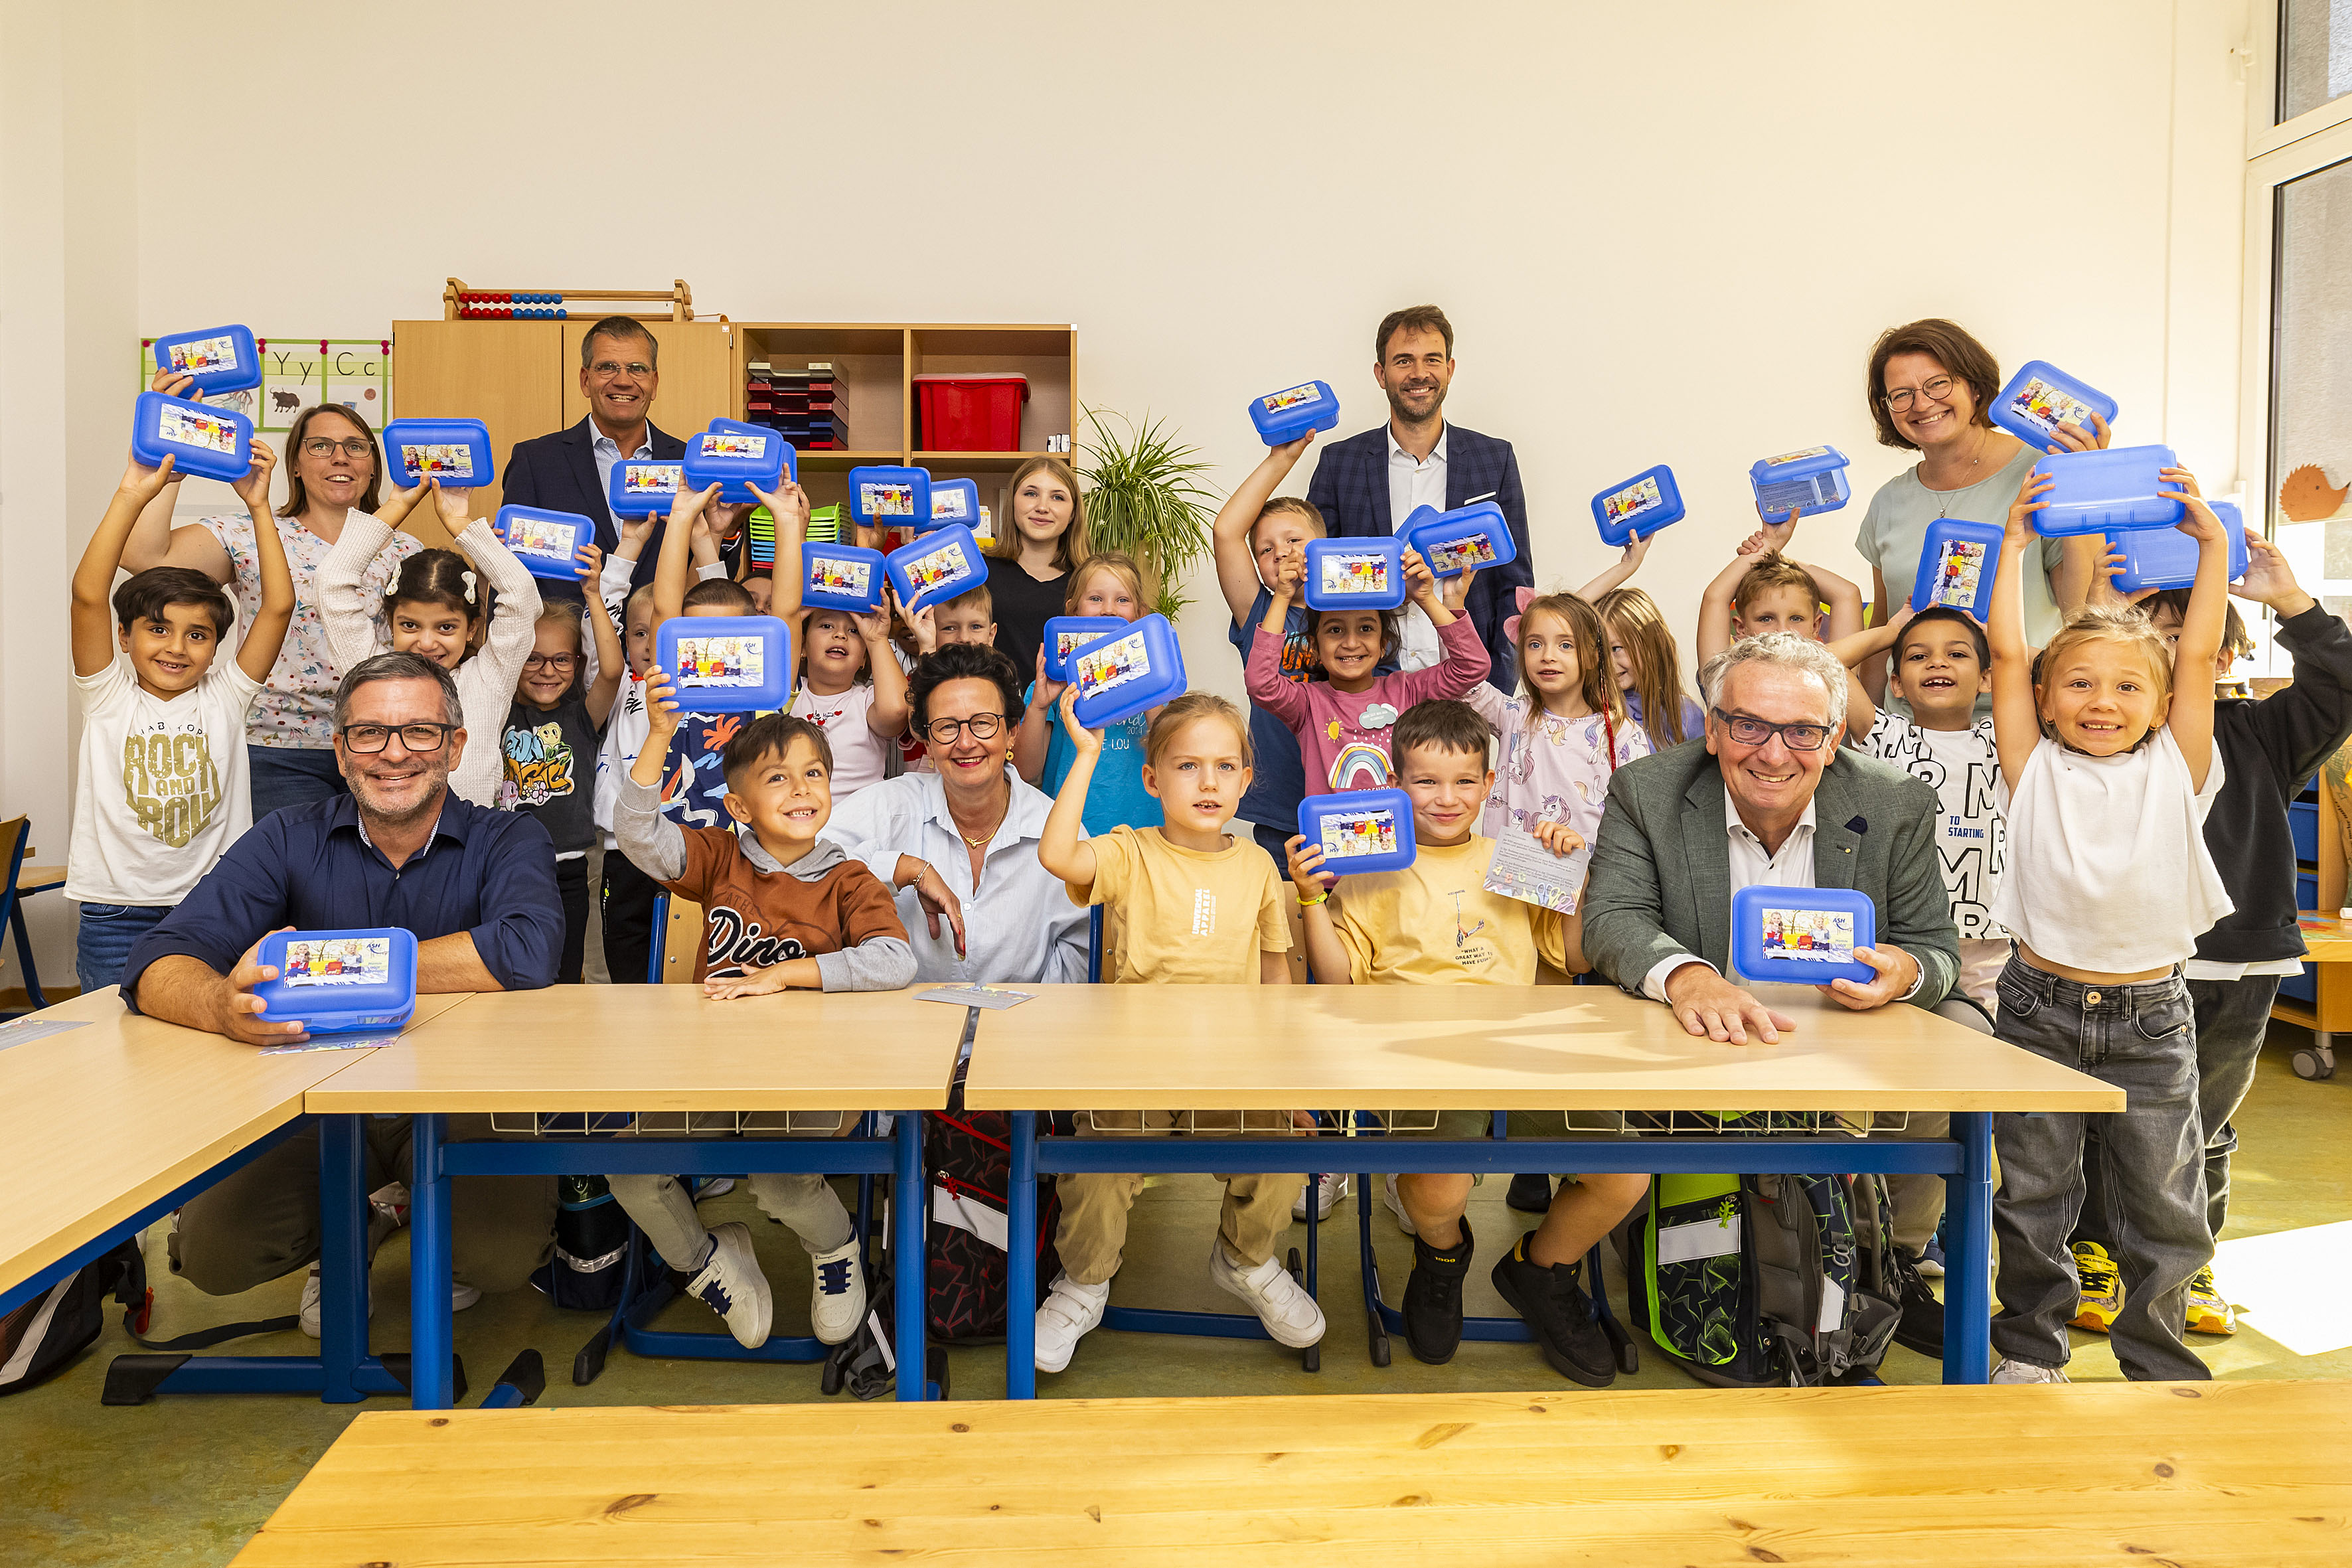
{"type": "Point", "coordinates": [983, 727]}
{"type": "Point", "coordinates": [1746, 731]}
{"type": "Point", "coordinates": [372, 738]}
{"type": "Point", "coordinates": [325, 446]}
{"type": "Point", "coordinates": [1934, 389]}
{"type": "Point", "coordinates": [607, 369]}
{"type": "Point", "coordinates": [556, 661]}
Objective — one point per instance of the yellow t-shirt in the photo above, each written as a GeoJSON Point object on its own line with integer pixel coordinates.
{"type": "Point", "coordinates": [1190, 918]}
{"type": "Point", "coordinates": [1435, 922]}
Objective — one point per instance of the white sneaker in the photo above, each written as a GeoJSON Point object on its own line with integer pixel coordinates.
{"type": "Point", "coordinates": [1288, 1312]}
{"type": "Point", "coordinates": [1328, 1190]}
{"type": "Point", "coordinates": [390, 1203]}
{"type": "Point", "coordinates": [838, 1296]}
{"type": "Point", "coordinates": [1069, 1313]}
{"type": "Point", "coordinates": [2026, 1371]}
{"type": "Point", "coordinates": [1396, 1206]}
{"type": "Point", "coordinates": [732, 1285]}
{"type": "Point", "coordinates": [714, 1187]}
{"type": "Point", "coordinates": [460, 1297]}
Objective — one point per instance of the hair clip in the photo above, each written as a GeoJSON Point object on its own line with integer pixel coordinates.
{"type": "Point", "coordinates": [468, 578]}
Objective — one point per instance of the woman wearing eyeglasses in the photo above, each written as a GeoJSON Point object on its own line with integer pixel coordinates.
{"type": "Point", "coordinates": [1931, 391]}
{"type": "Point", "coordinates": [332, 474]}
{"type": "Point", "coordinates": [961, 844]}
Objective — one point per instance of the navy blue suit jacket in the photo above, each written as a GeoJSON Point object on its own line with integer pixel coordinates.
{"type": "Point", "coordinates": [559, 472]}
{"type": "Point", "coordinates": [1351, 489]}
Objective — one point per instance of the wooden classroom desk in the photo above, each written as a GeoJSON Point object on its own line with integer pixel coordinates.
{"type": "Point", "coordinates": [634, 1049]}
{"type": "Point", "coordinates": [2052, 1477]}
{"type": "Point", "coordinates": [106, 1119]}
{"type": "Point", "coordinates": [2328, 939]}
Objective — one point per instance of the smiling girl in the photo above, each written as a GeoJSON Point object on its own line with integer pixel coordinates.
{"type": "Point", "coordinates": [1565, 731]}
{"type": "Point", "coordinates": [1039, 541]}
{"type": "Point", "coordinates": [855, 692]}
{"type": "Point", "coordinates": [1106, 584]}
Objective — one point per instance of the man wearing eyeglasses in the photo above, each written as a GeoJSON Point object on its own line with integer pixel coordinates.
{"type": "Point", "coordinates": [477, 889]}
{"type": "Point", "coordinates": [572, 470]}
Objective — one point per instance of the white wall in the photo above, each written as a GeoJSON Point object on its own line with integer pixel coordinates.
{"type": "Point", "coordinates": [1664, 232]}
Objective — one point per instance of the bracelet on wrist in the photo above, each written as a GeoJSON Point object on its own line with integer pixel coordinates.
{"type": "Point", "coordinates": [1322, 897]}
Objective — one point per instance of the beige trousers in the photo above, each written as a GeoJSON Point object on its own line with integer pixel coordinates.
{"type": "Point", "coordinates": [1092, 1235]}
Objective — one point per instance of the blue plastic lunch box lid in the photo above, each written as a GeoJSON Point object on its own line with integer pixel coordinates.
{"type": "Point", "coordinates": [2104, 491]}
{"type": "Point", "coordinates": [2167, 558]}
{"type": "Point", "coordinates": [734, 456]}
{"type": "Point", "coordinates": [936, 566]}
{"type": "Point", "coordinates": [1813, 479]}
{"type": "Point", "coordinates": [1123, 673]}
{"type": "Point", "coordinates": [217, 359]}
{"type": "Point", "coordinates": [337, 981]}
{"type": "Point", "coordinates": [841, 577]}
{"type": "Point", "coordinates": [455, 451]}
{"type": "Point", "coordinates": [1065, 635]}
{"type": "Point", "coordinates": [1359, 830]}
{"type": "Point", "coordinates": [1642, 504]}
{"type": "Point", "coordinates": [891, 496]}
{"type": "Point", "coordinates": [953, 501]}
{"type": "Point", "coordinates": [727, 664]}
{"type": "Point", "coordinates": [215, 442]}
{"type": "Point", "coordinates": [1287, 415]}
{"type": "Point", "coordinates": [1355, 574]}
{"type": "Point", "coordinates": [546, 542]}
{"type": "Point", "coordinates": [644, 486]}
{"type": "Point", "coordinates": [1957, 561]}
{"type": "Point", "coordinates": [1796, 934]}
{"type": "Point", "coordinates": [1467, 538]}
{"type": "Point", "coordinates": [2040, 397]}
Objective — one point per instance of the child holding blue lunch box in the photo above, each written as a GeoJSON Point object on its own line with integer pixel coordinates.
{"type": "Point", "coordinates": [551, 744]}
{"type": "Point", "coordinates": [855, 689]}
{"type": "Point", "coordinates": [1109, 586]}
{"type": "Point", "coordinates": [1566, 731]}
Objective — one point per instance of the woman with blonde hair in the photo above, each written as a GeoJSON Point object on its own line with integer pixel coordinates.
{"type": "Point", "coordinates": [1041, 534]}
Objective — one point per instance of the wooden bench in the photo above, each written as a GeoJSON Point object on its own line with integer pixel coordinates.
{"type": "Point", "coordinates": [2195, 1473]}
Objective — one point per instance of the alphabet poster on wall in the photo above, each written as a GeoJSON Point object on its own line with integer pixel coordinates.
{"type": "Point", "coordinates": [297, 372]}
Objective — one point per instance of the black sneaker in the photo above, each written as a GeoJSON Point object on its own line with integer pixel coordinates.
{"type": "Point", "coordinates": [1530, 1193]}
{"type": "Point", "coordinates": [1921, 1325]}
{"type": "Point", "coordinates": [1559, 1314]}
{"type": "Point", "coordinates": [1433, 1299]}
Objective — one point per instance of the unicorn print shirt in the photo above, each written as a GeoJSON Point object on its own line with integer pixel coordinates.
{"type": "Point", "coordinates": [1343, 736]}
{"type": "Point", "coordinates": [1555, 770]}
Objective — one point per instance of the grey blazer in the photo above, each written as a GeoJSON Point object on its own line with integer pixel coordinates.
{"type": "Point", "coordinates": [1661, 878]}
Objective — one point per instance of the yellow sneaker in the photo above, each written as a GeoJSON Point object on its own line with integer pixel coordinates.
{"type": "Point", "coordinates": [2102, 1300]}
{"type": "Point", "coordinates": [2207, 1313]}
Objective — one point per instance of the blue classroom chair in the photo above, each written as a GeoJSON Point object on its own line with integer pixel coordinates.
{"type": "Point", "coordinates": [14, 836]}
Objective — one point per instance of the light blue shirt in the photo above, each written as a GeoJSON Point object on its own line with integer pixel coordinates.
{"type": "Point", "coordinates": [607, 452]}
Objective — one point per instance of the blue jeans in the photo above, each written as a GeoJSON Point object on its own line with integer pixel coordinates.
{"type": "Point", "coordinates": [289, 775]}
{"type": "Point", "coordinates": [2140, 1038]}
{"type": "Point", "coordinates": [103, 940]}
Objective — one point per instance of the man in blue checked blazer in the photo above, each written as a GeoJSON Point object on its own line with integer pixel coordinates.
{"type": "Point", "coordinates": [1369, 484]}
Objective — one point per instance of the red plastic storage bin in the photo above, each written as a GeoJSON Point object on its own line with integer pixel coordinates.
{"type": "Point", "coordinates": [972, 411]}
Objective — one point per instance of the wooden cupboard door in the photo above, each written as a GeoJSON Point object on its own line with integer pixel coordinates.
{"type": "Point", "coordinates": [500, 372]}
{"type": "Point", "coordinates": [701, 373]}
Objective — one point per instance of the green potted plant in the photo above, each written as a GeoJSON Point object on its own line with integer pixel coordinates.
{"type": "Point", "coordinates": [1141, 497]}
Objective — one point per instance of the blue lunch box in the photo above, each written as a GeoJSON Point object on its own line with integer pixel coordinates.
{"type": "Point", "coordinates": [1803, 936]}
{"type": "Point", "coordinates": [219, 359]}
{"type": "Point", "coordinates": [735, 456]}
{"type": "Point", "coordinates": [2104, 491]}
{"type": "Point", "coordinates": [1355, 574]}
{"type": "Point", "coordinates": [199, 438]}
{"type": "Point", "coordinates": [2167, 558]}
{"type": "Point", "coordinates": [1360, 829]}
{"type": "Point", "coordinates": [1065, 635]}
{"type": "Point", "coordinates": [1642, 504]}
{"type": "Point", "coordinates": [545, 542]}
{"type": "Point", "coordinates": [455, 451]}
{"type": "Point", "coordinates": [841, 577]}
{"type": "Point", "coordinates": [954, 501]}
{"type": "Point", "coordinates": [1957, 563]}
{"type": "Point", "coordinates": [727, 664]}
{"type": "Point", "coordinates": [2040, 397]}
{"type": "Point", "coordinates": [937, 568]}
{"type": "Point", "coordinates": [1118, 676]}
{"type": "Point", "coordinates": [643, 487]}
{"type": "Point", "coordinates": [336, 982]}
{"type": "Point", "coordinates": [1467, 538]}
{"type": "Point", "coordinates": [893, 497]}
{"type": "Point", "coordinates": [1287, 415]}
{"type": "Point", "coordinates": [1813, 478]}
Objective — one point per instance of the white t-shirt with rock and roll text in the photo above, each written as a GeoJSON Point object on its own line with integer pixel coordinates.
{"type": "Point", "coordinates": [164, 788]}
{"type": "Point", "coordinates": [1971, 830]}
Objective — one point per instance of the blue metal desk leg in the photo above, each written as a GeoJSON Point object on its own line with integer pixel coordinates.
{"type": "Point", "coordinates": [1968, 1205]}
{"type": "Point", "coordinates": [342, 1259]}
{"type": "Point", "coordinates": [908, 1213]}
{"type": "Point", "coordinates": [428, 1269]}
{"type": "Point", "coordinates": [1021, 1262]}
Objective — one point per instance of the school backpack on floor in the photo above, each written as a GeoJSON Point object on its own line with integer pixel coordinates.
{"type": "Point", "coordinates": [969, 1156]}
{"type": "Point", "coordinates": [1764, 1280]}
{"type": "Point", "coordinates": [591, 1245]}
{"type": "Point", "coordinates": [41, 1338]}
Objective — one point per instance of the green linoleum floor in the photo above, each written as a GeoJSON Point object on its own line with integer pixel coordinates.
{"type": "Point", "coordinates": [184, 1481]}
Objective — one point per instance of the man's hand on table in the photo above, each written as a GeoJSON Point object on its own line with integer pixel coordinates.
{"type": "Point", "coordinates": [1706, 1003]}
{"type": "Point", "coordinates": [239, 1008]}
{"type": "Point", "coordinates": [1899, 972]}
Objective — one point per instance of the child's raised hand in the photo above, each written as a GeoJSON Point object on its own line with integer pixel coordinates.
{"type": "Point", "coordinates": [2197, 518]}
{"type": "Point", "coordinates": [1455, 591]}
{"type": "Point", "coordinates": [1291, 451]}
{"type": "Point", "coordinates": [455, 506]}
{"type": "Point", "coordinates": [1637, 546]}
{"type": "Point", "coordinates": [686, 506]}
{"type": "Point", "coordinates": [921, 625]}
{"type": "Point", "coordinates": [254, 488]}
{"type": "Point", "coordinates": [591, 563]}
{"type": "Point", "coordinates": [2032, 497]}
{"type": "Point", "coordinates": [399, 502]}
{"type": "Point", "coordinates": [1307, 866]}
{"type": "Point", "coordinates": [634, 531]}
{"type": "Point", "coordinates": [755, 981]}
{"type": "Point", "coordinates": [2074, 439]}
{"type": "Point", "coordinates": [873, 627]}
{"type": "Point", "coordinates": [176, 384]}
{"type": "Point", "coordinates": [1419, 585]}
{"type": "Point", "coordinates": [662, 714]}
{"type": "Point", "coordinates": [1558, 837]}
{"type": "Point", "coordinates": [146, 483]}
{"type": "Point", "coordinates": [1774, 535]}
{"type": "Point", "coordinates": [1042, 692]}
{"type": "Point", "coordinates": [788, 504]}
{"type": "Point", "coordinates": [1086, 742]}
{"type": "Point", "coordinates": [725, 520]}
{"type": "Point", "coordinates": [2269, 580]}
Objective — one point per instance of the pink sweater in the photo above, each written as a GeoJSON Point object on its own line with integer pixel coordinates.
{"type": "Point", "coordinates": [1343, 736]}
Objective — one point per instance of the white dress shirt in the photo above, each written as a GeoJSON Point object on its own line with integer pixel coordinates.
{"type": "Point", "coordinates": [1020, 926]}
{"type": "Point", "coordinates": [1415, 482]}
